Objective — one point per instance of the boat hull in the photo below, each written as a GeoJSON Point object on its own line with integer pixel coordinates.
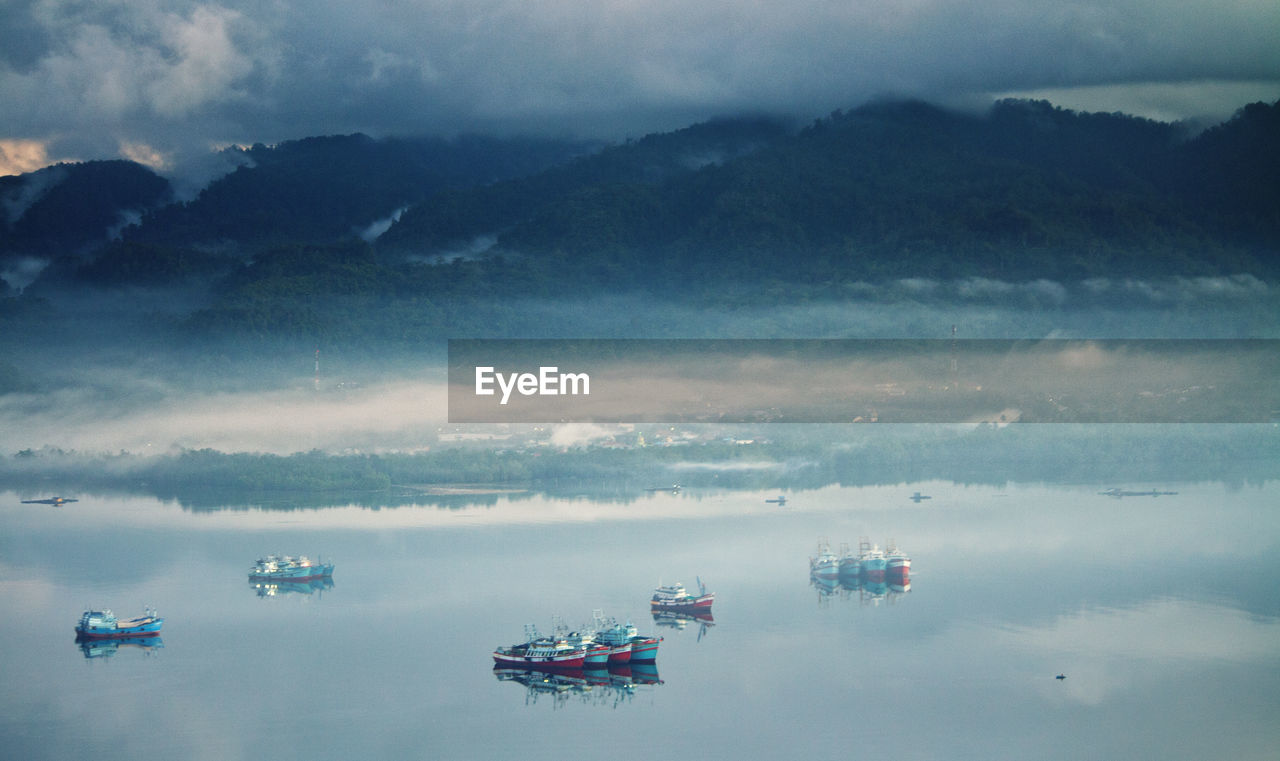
{"type": "Point", "coordinates": [596, 658]}
{"type": "Point", "coordinates": [140, 628]}
{"type": "Point", "coordinates": [687, 604]}
{"type": "Point", "coordinates": [619, 654]}
{"type": "Point", "coordinates": [645, 649]}
{"type": "Point", "coordinates": [569, 661]}
{"type": "Point", "coordinates": [311, 573]}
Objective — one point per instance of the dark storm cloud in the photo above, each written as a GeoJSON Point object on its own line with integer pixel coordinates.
{"type": "Point", "coordinates": [115, 76]}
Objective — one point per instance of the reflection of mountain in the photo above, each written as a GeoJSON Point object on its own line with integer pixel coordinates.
{"type": "Point", "coordinates": [105, 648]}
{"type": "Point", "coordinates": [592, 687]}
{"type": "Point", "coordinates": [276, 588]}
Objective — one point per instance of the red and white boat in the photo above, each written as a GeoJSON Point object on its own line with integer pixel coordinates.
{"type": "Point", "coordinates": [542, 652]}
{"type": "Point", "coordinates": [897, 564]}
{"type": "Point", "coordinates": [597, 655]}
{"type": "Point", "coordinates": [676, 597]}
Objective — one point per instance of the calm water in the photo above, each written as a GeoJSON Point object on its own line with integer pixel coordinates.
{"type": "Point", "coordinates": [1163, 613]}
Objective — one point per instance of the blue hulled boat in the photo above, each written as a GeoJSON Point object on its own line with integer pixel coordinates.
{"type": "Point", "coordinates": [103, 624]}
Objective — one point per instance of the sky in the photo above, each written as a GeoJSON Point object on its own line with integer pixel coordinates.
{"type": "Point", "coordinates": [166, 82]}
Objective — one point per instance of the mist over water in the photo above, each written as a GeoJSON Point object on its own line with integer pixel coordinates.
{"type": "Point", "coordinates": [1021, 569]}
{"type": "Point", "coordinates": [104, 373]}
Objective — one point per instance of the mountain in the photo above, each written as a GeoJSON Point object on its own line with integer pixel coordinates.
{"type": "Point", "coordinates": [452, 219]}
{"type": "Point", "coordinates": [71, 207]}
{"type": "Point", "coordinates": [889, 190]}
{"type": "Point", "coordinates": [899, 189]}
{"type": "Point", "coordinates": [320, 190]}
{"type": "Point", "coordinates": [323, 189]}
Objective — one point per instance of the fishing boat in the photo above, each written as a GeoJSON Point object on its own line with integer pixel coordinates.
{"type": "Point", "coordinates": [596, 656]}
{"type": "Point", "coordinates": [288, 568]}
{"type": "Point", "coordinates": [539, 652]}
{"type": "Point", "coordinates": [826, 565]}
{"type": "Point", "coordinates": [897, 564]}
{"type": "Point", "coordinates": [629, 646]}
{"type": "Point", "coordinates": [850, 566]}
{"type": "Point", "coordinates": [676, 597]}
{"type": "Point", "coordinates": [872, 560]}
{"type": "Point", "coordinates": [644, 649]}
{"type": "Point", "coordinates": [617, 637]}
{"type": "Point", "coordinates": [103, 624]}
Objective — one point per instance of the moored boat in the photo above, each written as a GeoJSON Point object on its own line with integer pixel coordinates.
{"type": "Point", "coordinates": [617, 637]}
{"type": "Point", "coordinates": [103, 624]}
{"type": "Point", "coordinates": [596, 655]}
{"type": "Point", "coordinates": [676, 597]}
{"type": "Point", "coordinates": [541, 652]}
{"type": "Point", "coordinates": [628, 644]}
{"type": "Point", "coordinates": [826, 565]}
{"type": "Point", "coordinates": [291, 569]}
{"type": "Point", "coordinates": [897, 564]}
{"type": "Point", "coordinates": [873, 562]}
{"type": "Point", "coordinates": [849, 565]}
{"type": "Point", "coordinates": [644, 649]}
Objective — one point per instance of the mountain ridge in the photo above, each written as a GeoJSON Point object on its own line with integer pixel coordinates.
{"type": "Point", "coordinates": [890, 189]}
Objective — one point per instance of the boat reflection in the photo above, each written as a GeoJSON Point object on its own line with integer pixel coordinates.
{"type": "Point", "coordinates": [671, 619]}
{"type": "Point", "coordinates": [599, 687]}
{"type": "Point", "coordinates": [826, 586]}
{"type": "Point", "coordinates": [105, 648]}
{"type": "Point", "coordinates": [278, 588]}
{"type": "Point", "coordinates": [873, 592]}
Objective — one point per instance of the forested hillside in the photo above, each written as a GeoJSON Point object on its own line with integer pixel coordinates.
{"type": "Point", "coordinates": [901, 189]}
{"type": "Point", "coordinates": [349, 237]}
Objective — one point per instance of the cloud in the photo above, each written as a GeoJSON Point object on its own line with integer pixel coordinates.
{"type": "Point", "coordinates": [180, 75]}
{"type": "Point", "coordinates": [144, 154]}
{"type": "Point", "coordinates": [20, 272]}
{"type": "Point", "coordinates": [20, 156]}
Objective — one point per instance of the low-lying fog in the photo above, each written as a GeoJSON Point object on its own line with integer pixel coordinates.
{"type": "Point", "coordinates": [95, 378]}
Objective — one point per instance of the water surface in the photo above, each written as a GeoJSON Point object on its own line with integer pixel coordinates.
{"type": "Point", "coordinates": [1163, 613]}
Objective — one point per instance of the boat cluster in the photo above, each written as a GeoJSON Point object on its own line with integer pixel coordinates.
{"type": "Point", "coordinates": [869, 563]}
{"type": "Point", "coordinates": [606, 643]}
